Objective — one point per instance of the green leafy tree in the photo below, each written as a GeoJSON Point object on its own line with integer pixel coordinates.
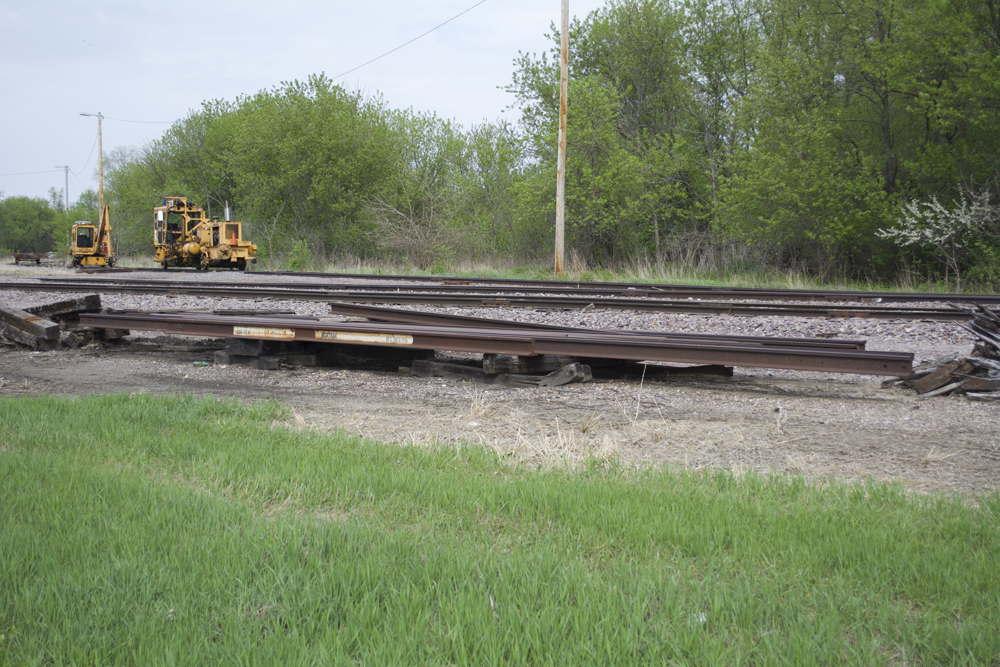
{"type": "Point", "coordinates": [493, 167]}
{"type": "Point", "coordinates": [27, 224]}
{"type": "Point", "coordinates": [311, 155]}
{"type": "Point", "coordinates": [197, 148]}
{"type": "Point", "coordinates": [421, 211]}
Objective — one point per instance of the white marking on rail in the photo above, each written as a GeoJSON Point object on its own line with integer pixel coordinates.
{"type": "Point", "coordinates": [263, 332]}
{"type": "Point", "coordinates": [357, 337]}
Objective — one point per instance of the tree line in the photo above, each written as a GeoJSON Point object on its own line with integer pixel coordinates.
{"type": "Point", "coordinates": [38, 225]}
{"type": "Point", "coordinates": [807, 135]}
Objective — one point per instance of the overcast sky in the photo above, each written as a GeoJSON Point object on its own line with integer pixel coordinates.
{"type": "Point", "coordinates": [134, 60]}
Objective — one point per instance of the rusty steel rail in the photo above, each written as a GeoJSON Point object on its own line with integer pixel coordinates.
{"type": "Point", "coordinates": [655, 305]}
{"type": "Point", "coordinates": [404, 295]}
{"type": "Point", "coordinates": [446, 319]}
{"type": "Point", "coordinates": [523, 342]}
{"type": "Point", "coordinates": [702, 291]}
{"type": "Point", "coordinates": [624, 290]}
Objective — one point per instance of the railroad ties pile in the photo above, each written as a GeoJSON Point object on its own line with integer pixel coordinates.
{"type": "Point", "coordinates": [975, 375]}
{"type": "Point", "coordinates": [49, 326]}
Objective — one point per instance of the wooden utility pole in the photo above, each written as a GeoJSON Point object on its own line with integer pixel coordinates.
{"type": "Point", "coordinates": [561, 160]}
{"type": "Point", "coordinates": [100, 168]}
{"type": "Point", "coordinates": [100, 164]}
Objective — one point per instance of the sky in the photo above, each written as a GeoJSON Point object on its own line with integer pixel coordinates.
{"type": "Point", "coordinates": [144, 65]}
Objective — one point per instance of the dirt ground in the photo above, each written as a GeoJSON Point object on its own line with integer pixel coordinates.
{"type": "Point", "coordinates": [843, 427]}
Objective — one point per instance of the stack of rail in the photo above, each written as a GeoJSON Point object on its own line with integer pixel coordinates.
{"type": "Point", "coordinates": [427, 331]}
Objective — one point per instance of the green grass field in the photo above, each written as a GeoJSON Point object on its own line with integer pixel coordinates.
{"type": "Point", "coordinates": [179, 531]}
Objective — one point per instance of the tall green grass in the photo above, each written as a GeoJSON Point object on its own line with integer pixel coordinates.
{"type": "Point", "coordinates": [173, 530]}
{"type": "Point", "coordinates": [646, 271]}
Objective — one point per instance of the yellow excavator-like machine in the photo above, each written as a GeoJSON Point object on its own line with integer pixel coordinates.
{"type": "Point", "coordinates": [185, 237]}
{"type": "Point", "coordinates": [90, 244]}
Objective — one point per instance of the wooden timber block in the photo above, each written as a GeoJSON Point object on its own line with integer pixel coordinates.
{"type": "Point", "coordinates": [264, 363]}
{"type": "Point", "coordinates": [74, 339]}
{"type": "Point", "coordinates": [984, 396]}
{"type": "Point", "coordinates": [706, 369]}
{"type": "Point", "coordinates": [942, 390]}
{"type": "Point", "coordinates": [258, 348]}
{"type": "Point", "coordinates": [28, 329]}
{"type": "Point", "coordinates": [905, 381]}
{"type": "Point", "coordinates": [985, 363]}
{"type": "Point", "coordinates": [29, 323]}
{"type": "Point", "coordinates": [242, 347]}
{"type": "Point", "coordinates": [112, 334]}
{"type": "Point", "coordinates": [226, 358]}
{"type": "Point", "coordinates": [425, 368]}
{"type": "Point", "coordinates": [538, 363]}
{"type": "Point", "coordinates": [17, 336]}
{"type": "Point", "coordinates": [937, 363]}
{"type": "Point", "coordinates": [91, 303]}
{"type": "Point", "coordinates": [303, 359]}
{"type": "Point", "coordinates": [575, 372]}
{"type": "Point", "coordinates": [981, 384]}
{"type": "Point", "coordinates": [268, 363]}
{"type": "Point", "coordinates": [941, 376]}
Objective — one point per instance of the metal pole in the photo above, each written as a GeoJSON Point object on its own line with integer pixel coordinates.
{"type": "Point", "coordinates": [561, 160]}
{"type": "Point", "coordinates": [65, 167]}
{"type": "Point", "coordinates": [69, 233]}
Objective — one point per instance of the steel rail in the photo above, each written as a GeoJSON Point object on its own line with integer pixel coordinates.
{"type": "Point", "coordinates": [657, 306]}
{"type": "Point", "coordinates": [446, 319]}
{"type": "Point", "coordinates": [750, 293]}
{"type": "Point", "coordinates": [497, 286]}
{"type": "Point", "coordinates": [523, 342]}
{"type": "Point", "coordinates": [486, 301]}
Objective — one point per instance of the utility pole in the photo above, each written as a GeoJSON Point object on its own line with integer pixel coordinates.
{"type": "Point", "coordinates": [69, 232]}
{"type": "Point", "coordinates": [561, 160]}
{"type": "Point", "coordinates": [100, 164]}
{"type": "Point", "coordinates": [66, 168]}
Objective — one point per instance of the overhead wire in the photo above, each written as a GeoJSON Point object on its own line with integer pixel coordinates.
{"type": "Point", "coordinates": [31, 173]}
{"type": "Point", "coordinates": [92, 146]}
{"type": "Point", "coordinates": [142, 122]}
{"type": "Point", "coordinates": [50, 171]}
{"type": "Point", "coordinates": [160, 122]}
{"type": "Point", "coordinates": [411, 41]}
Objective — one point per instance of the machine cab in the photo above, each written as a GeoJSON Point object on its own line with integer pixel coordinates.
{"type": "Point", "coordinates": [175, 221]}
{"type": "Point", "coordinates": [83, 236]}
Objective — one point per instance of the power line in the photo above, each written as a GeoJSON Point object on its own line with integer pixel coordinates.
{"type": "Point", "coordinates": [78, 181]}
{"type": "Point", "coordinates": [31, 173]}
{"type": "Point", "coordinates": [147, 122]}
{"type": "Point", "coordinates": [49, 171]}
{"type": "Point", "coordinates": [92, 146]}
{"type": "Point", "coordinates": [411, 41]}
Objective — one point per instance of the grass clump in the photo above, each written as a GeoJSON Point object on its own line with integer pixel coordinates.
{"type": "Point", "coordinates": [156, 530]}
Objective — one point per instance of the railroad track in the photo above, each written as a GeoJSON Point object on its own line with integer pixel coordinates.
{"type": "Point", "coordinates": [679, 291]}
{"type": "Point", "coordinates": [478, 296]}
{"type": "Point", "coordinates": [429, 331]}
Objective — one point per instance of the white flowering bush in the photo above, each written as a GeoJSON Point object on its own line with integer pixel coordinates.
{"type": "Point", "coordinates": [948, 232]}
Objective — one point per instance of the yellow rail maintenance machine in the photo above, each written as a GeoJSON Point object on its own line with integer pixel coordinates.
{"type": "Point", "coordinates": [185, 236]}
{"type": "Point", "coordinates": [90, 244]}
